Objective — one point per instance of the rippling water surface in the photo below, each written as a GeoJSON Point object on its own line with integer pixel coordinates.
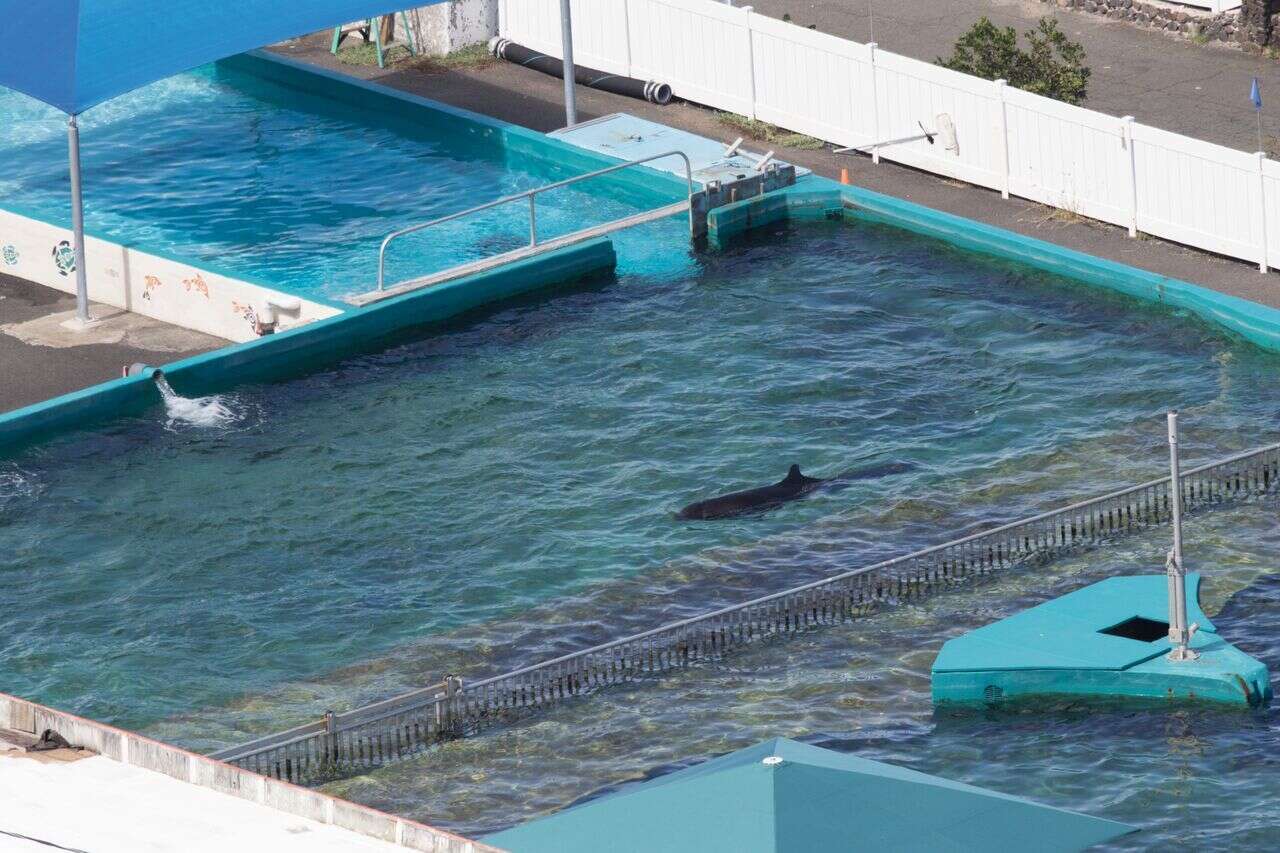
{"type": "Point", "coordinates": [253, 179]}
{"type": "Point", "coordinates": [503, 490]}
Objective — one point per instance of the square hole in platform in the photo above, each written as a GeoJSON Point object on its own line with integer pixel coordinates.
{"type": "Point", "coordinates": [1139, 628]}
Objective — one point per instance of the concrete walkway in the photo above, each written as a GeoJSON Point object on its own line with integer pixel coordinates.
{"type": "Point", "coordinates": [41, 359]}
{"type": "Point", "coordinates": [534, 100]}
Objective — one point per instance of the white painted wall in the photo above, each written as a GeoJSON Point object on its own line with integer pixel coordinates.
{"type": "Point", "coordinates": [445, 27]}
{"type": "Point", "coordinates": [167, 290]}
{"type": "Point", "coordinates": [1100, 166]}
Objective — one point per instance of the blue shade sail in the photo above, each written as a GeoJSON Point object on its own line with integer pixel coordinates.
{"type": "Point", "coordinates": [75, 54]}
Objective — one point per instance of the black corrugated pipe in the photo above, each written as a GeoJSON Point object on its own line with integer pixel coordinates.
{"type": "Point", "coordinates": [654, 93]}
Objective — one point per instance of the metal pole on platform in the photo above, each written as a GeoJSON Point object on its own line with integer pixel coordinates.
{"type": "Point", "coordinates": [1179, 632]}
{"type": "Point", "coordinates": [566, 41]}
{"type": "Point", "coordinates": [82, 317]}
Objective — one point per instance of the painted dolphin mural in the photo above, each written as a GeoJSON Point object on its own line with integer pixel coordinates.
{"type": "Point", "coordinates": [791, 487]}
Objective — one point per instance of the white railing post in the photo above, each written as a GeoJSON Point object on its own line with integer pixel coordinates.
{"type": "Point", "coordinates": [751, 56]}
{"type": "Point", "coordinates": [1126, 141]}
{"type": "Point", "coordinates": [1179, 631]}
{"type": "Point", "coordinates": [1263, 260]}
{"type": "Point", "coordinates": [1004, 135]}
{"type": "Point", "coordinates": [626, 32]}
{"type": "Point", "coordinates": [875, 103]}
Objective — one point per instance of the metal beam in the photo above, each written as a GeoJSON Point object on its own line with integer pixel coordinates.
{"type": "Point", "coordinates": [82, 317]}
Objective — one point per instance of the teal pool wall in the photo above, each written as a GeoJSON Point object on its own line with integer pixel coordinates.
{"type": "Point", "coordinates": [307, 347]}
{"type": "Point", "coordinates": [815, 197]}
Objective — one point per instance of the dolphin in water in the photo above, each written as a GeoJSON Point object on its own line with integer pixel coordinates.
{"type": "Point", "coordinates": [791, 487]}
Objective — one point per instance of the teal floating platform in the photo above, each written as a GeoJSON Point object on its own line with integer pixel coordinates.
{"type": "Point", "coordinates": [1107, 640]}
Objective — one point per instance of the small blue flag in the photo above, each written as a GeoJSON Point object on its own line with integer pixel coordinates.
{"type": "Point", "coordinates": [1255, 95]}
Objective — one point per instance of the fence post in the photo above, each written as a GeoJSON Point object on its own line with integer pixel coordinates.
{"type": "Point", "coordinates": [751, 57]}
{"type": "Point", "coordinates": [1004, 135]}
{"type": "Point", "coordinates": [1126, 140]}
{"type": "Point", "coordinates": [1263, 265]}
{"type": "Point", "coordinates": [875, 104]}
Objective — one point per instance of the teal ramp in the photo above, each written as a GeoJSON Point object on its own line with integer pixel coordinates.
{"type": "Point", "coordinates": [1108, 640]}
{"type": "Point", "coordinates": [781, 795]}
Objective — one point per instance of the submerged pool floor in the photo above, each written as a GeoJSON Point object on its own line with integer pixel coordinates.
{"type": "Point", "coordinates": [253, 179]}
{"type": "Point", "coordinates": [505, 490]}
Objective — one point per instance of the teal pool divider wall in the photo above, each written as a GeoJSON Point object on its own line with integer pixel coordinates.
{"type": "Point", "coordinates": [308, 347]}
{"type": "Point", "coordinates": [815, 197]}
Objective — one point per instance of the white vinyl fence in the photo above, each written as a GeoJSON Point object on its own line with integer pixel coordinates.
{"type": "Point", "coordinates": [1113, 169]}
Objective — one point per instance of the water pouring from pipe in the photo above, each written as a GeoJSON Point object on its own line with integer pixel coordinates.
{"type": "Point", "coordinates": [205, 412]}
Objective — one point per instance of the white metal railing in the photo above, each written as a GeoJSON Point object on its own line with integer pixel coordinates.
{"type": "Point", "coordinates": [1109, 168]}
{"type": "Point", "coordinates": [532, 196]}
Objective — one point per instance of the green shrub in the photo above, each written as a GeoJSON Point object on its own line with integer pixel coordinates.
{"type": "Point", "coordinates": [1052, 66]}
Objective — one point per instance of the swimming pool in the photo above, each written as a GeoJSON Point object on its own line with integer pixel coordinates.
{"type": "Point", "coordinates": [504, 490]}
{"type": "Point", "coordinates": [241, 169]}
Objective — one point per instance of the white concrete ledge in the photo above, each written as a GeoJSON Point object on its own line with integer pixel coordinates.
{"type": "Point", "coordinates": [191, 768]}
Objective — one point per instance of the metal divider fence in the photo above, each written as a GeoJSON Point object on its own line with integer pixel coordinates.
{"type": "Point", "coordinates": [386, 731]}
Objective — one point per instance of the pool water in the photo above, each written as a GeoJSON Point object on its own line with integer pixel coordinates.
{"type": "Point", "coordinates": [504, 490]}
{"type": "Point", "coordinates": [247, 177]}
{"type": "Point", "coordinates": [1190, 777]}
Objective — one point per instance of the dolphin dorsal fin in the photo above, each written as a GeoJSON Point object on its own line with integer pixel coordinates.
{"type": "Point", "coordinates": [794, 475]}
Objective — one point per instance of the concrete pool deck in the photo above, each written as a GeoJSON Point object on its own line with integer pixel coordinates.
{"type": "Point", "coordinates": [42, 360]}
{"type": "Point", "coordinates": [534, 100]}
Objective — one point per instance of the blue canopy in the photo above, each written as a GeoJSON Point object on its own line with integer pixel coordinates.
{"type": "Point", "coordinates": [783, 796]}
{"type": "Point", "coordinates": [74, 54]}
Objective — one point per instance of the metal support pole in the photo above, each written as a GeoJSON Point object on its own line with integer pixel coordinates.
{"type": "Point", "coordinates": [82, 317]}
{"type": "Point", "coordinates": [1179, 632]}
{"type": "Point", "coordinates": [566, 41]}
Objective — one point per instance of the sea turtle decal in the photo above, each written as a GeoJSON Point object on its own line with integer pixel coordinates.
{"type": "Point", "coordinates": [64, 257]}
{"type": "Point", "coordinates": [10, 255]}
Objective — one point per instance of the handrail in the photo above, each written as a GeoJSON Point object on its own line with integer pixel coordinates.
{"type": "Point", "coordinates": [531, 195]}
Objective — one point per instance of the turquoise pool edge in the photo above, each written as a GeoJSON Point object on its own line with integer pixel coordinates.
{"type": "Point", "coordinates": [308, 347]}
{"type": "Point", "coordinates": [815, 197]}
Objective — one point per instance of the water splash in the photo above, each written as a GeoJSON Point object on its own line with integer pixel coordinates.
{"type": "Point", "coordinates": [15, 483]}
{"type": "Point", "coordinates": [211, 412]}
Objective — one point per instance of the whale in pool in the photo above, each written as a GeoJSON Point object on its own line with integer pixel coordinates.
{"type": "Point", "coordinates": [791, 487]}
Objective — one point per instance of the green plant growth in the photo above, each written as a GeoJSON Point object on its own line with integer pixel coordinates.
{"type": "Point", "coordinates": [356, 51]}
{"type": "Point", "coordinates": [473, 57]}
{"type": "Point", "coordinates": [762, 131]}
{"type": "Point", "coordinates": [1052, 65]}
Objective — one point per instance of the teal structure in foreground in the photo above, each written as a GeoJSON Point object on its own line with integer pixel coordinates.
{"type": "Point", "coordinates": [1107, 640]}
{"type": "Point", "coordinates": [781, 795]}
